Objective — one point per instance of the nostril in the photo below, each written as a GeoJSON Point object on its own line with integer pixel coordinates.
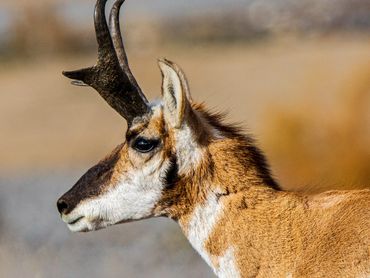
{"type": "Point", "coordinates": [62, 206]}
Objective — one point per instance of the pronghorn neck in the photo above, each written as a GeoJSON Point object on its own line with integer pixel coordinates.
{"type": "Point", "coordinates": [209, 227]}
{"type": "Point", "coordinates": [262, 232]}
{"type": "Point", "coordinates": [234, 215]}
{"type": "Point", "coordinates": [230, 165]}
{"type": "Point", "coordinates": [218, 228]}
{"type": "Point", "coordinates": [221, 162]}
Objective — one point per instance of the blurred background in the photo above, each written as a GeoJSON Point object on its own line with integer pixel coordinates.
{"type": "Point", "coordinates": [296, 74]}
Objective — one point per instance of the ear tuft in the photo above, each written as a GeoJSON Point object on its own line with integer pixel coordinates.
{"type": "Point", "coordinates": [175, 90]}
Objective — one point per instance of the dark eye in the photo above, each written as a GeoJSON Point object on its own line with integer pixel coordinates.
{"type": "Point", "coordinates": [144, 145]}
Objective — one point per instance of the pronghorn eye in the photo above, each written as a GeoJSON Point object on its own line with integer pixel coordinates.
{"type": "Point", "coordinates": [144, 145]}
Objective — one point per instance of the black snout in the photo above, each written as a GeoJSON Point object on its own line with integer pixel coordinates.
{"type": "Point", "coordinates": [63, 206]}
{"type": "Point", "coordinates": [70, 200]}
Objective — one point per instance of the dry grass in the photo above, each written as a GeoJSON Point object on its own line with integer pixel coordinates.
{"type": "Point", "coordinates": [306, 100]}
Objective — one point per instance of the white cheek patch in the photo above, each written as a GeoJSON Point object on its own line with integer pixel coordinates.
{"type": "Point", "coordinates": [133, 198]}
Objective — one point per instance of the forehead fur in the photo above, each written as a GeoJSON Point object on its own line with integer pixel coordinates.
{"type": "Point", "coordinates": [151, 125]}
{"type": "Point", "coordinates": [203, 124]}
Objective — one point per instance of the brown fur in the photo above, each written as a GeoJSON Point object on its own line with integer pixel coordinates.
{"type": "Point", "coordinates": [233, 162]}
{"type": "Point", "coordinates": [274, 233]}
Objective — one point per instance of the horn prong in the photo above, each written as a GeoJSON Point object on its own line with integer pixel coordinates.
{"type": "Point", "coordinates": [113, 81]}
{"type": "Point", "coordinates": [77, 74]}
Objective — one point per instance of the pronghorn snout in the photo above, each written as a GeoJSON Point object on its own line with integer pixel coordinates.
{"type": "Point", "coordinates": [90, 185]}
{"type": "Point", "coordinates": [65, 206]}
{"type": "Point", "coordinates": [62, 206]}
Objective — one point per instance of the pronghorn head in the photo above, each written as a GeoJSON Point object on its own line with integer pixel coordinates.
{"type": "Point", "coordinates": [167, 143]}
{"type": "Point", "coordinates": [128, 184]}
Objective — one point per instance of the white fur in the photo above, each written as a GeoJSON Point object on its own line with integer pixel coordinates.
{"type": "Point", "coordinates": [189, 153]}
{"type": "Point", "coordinates": [133, 198]}
{"type": "Point", "coordinates": [201, 225]}
{"type": "Point", "coordinates": [173, 96]}
{"type": "Point", "coordinates": [200, 228]}
{"type": "Point", "coordinates": [330, 201]}
{"type": "Point", "coordinates": [174, 104]}
{"type": "Point", "coordinates": [226, 265]}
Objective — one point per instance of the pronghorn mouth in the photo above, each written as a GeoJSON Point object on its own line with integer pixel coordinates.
{"type": "Point", "coordinates": [75, 221]}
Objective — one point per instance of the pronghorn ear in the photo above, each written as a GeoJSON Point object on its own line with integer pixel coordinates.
{"type": "Point", "coordinates": [175, 93]}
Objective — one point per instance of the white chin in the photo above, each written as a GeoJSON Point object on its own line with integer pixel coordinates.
{"type": "Point", "coordinates": [85, 225]}
{"type": "Point", "coordinates": [80, 226]}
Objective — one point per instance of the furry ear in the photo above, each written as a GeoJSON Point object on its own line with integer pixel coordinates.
{"type": "Point", "coordinates": [175, 93]}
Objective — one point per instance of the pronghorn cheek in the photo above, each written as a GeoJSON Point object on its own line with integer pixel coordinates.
{"type": "Point", "coordinates": [133, 198]}
{"type": "Point", "coordinates": [145, 162]}
{"type": "Point", "coordinates": [118, 205]}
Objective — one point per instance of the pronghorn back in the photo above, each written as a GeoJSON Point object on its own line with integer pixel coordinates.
{"type": "Point", "coordinates": [180, 161]}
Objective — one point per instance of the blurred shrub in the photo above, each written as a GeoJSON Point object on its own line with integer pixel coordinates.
{"type": "Point", "coordinates": [39, 31]}
{"type": "Point", "coordinates": [331, 151]}
{"type": "Point", "coordinates": [222, 27]}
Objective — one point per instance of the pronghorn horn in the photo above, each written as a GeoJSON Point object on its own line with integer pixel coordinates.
{"type": "Point", "coordinates": [111, 76]}
{"type": "Point", "coordinates": [118, 43]}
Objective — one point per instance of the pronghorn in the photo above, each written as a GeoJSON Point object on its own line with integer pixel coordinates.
{"type": "Point", "coordinates": [182, 162]}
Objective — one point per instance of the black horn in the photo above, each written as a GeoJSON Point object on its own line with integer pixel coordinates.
{"type": "Point", "coordinates": [111, 77]}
